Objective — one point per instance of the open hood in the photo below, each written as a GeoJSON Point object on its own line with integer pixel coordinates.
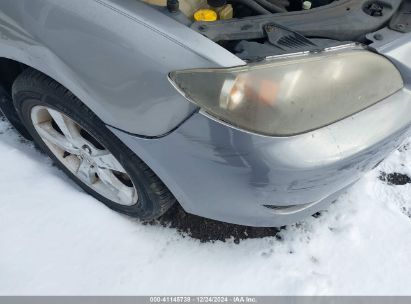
{"type": "Point", "coordinates": [256, 29]}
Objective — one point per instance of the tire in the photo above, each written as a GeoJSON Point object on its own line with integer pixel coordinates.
{"type": "Point", "coordinates": [34, 90]}
{"type": "Point", "coordinates": [8, 110]}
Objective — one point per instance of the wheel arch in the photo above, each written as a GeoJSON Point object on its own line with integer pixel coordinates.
{"type": "Point", "coordinates": [34, 91]}
{"type": "Point", "coordinates": [10, 68]}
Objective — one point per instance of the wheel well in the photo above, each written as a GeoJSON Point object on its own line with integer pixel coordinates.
{"type": "Point", "coordinates": [10, 70]}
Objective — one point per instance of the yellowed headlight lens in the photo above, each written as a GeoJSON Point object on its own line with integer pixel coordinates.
{"type": "Point", "coordinates": [292, 95]}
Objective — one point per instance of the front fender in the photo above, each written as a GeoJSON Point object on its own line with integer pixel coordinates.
{"type": "Point", "coordinates": [113, 55]}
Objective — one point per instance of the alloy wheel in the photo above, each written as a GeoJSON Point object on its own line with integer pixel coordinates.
{"type": "Point", "coordinates": [84, 156]}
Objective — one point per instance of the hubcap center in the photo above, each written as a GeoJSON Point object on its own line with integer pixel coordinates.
{"type": "Point", "coordinates": [85, 154]}
{"type": "Point", "coordinates": [86, 149]}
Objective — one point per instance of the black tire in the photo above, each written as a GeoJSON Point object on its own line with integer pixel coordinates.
{"type": "Point", "coordinates": [33, 88]}
{"type": "Point", "coordinates": [8, 110]}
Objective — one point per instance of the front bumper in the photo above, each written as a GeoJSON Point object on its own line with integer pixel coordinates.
{"type": "Point", "coordinates": [230, 175]}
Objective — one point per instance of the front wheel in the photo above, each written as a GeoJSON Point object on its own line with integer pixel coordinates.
{"type": "Point", "coordinates": [82, 146]}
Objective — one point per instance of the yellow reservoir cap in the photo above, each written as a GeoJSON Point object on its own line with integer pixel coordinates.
{"type": "Point", "coordinates": [205, 15]}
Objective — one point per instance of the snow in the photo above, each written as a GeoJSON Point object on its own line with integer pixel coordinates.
{"type": "Point", "coordinates": [56, 240]}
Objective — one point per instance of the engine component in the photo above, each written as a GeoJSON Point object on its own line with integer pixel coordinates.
{"type": "Point", "coordinates": [225, 12]}
{"type": "Point", "coordinates": [288, 40]}
{"type": "Point", "coordinates": [216, 3]}
{"type": "Point", "coordinates": [197, 10]}
{"type": "Point", "coordinates": [343, 20]}
{"type": "Point", "coordinates": [307, 5]}
{"type": "Point", "coordinates": [187, 7]}
{"type": "Point", "coordinates": [206, 15]}
{"type": "Point", "coordinates": [173, 6]}
{"type": "Point", "coordinates": [254, 6]}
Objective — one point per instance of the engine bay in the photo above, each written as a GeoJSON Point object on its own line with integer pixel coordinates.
{"type": "Point", "coordinates": [202, 10]}
{"type": "Point", "coordinates": [256, 29]}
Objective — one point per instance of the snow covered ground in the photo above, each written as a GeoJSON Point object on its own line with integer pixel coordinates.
{"type": "Point", "coordinates": [54, 239]}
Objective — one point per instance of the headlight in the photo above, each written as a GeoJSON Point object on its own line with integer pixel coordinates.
{"type": "Point", "coordinates": [292, 95]}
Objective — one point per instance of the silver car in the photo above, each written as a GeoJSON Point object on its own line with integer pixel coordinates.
{"type": "Point", "coordinates": [254, 112]}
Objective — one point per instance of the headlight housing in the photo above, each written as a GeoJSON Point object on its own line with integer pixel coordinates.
{"type": "Point", "coordinates": [292, 95]}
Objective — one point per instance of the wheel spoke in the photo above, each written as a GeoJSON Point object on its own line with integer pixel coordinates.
{"type": "Point", "coordinates": [70, 130]}
{"type": "Point", "coordinates": [106, 160]}
{"type": "Point", "coordinates": [48, 133]}
{"type": "Point", "coordinates": [86, 172]}
{"type": "Point", "coordinates": [124, 193]}
{"type": "Point", "coordinates": [81, 153]}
